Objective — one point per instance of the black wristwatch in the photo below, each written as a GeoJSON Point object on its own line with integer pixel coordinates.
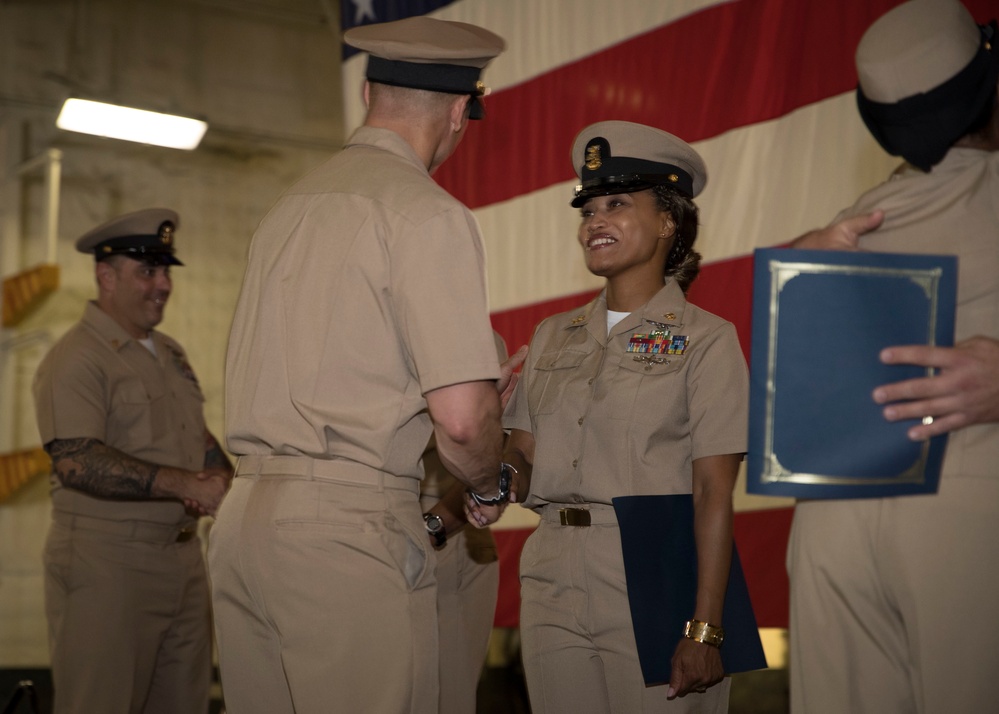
{"type": "Point", "coordinates": [506, 477]}
{"type": "Point", "coordinates": [435, 527]}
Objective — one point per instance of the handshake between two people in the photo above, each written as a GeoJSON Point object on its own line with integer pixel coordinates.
{"type": "Point", "coordinates": [479, 512]}
{"type": "Point", "coordinates": [203, 490]}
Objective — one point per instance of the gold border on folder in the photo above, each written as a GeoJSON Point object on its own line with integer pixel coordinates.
{"type": "Point", "coordinates": [781, 274]}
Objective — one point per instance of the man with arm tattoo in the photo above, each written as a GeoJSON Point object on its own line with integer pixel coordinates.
{"type": "Point", "coordinates": [120, 412]}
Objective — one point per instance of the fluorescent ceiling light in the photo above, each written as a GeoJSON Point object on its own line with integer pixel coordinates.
{"type": "Point", "coordinates": [118, 122]}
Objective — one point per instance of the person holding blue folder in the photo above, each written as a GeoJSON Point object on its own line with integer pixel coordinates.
{"type": "Point", "coordinates": [893, 600]}
{"type": "Point", "coordinates": [637, 393]}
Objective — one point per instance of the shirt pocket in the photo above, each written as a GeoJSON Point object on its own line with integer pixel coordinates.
{"type": "Point", "coordinates": [552, 372]}
{"type": "Point", "coordinates": [654, 377]}
{"type": "Point", "coordinates": [189, 402]}
{"type": "Point", "coordinates": [136, 415]}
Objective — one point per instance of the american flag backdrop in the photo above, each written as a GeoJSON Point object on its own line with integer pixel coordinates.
{"type": "Point", "coordinates": [763, 89]}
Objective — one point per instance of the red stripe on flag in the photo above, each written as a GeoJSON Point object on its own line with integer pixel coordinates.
{"type": "Point", "coordinates": [728, 66]}
{"type": "Point", "coordinates": [761, 537]}
{"type": "Point", "coordinates": [516, 326]}
{"type": "Point", "coordinates": [724, 288]}
{"type": "Point", "coordinates": [509, 544]}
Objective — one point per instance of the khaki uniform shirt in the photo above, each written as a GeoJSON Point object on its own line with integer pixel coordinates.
{"type": "Point", "coordinates": [875, 582]}
{"type": "Point", "coordinates": [953, 210]}
{"type": "Point", "coordinates": [365, 290]}
{"type": "Point", "coordinates": [97, 382]}
{"type": "Point", "coordinates": [608, 422]}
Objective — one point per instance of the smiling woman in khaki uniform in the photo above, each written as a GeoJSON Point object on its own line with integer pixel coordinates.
{"type": "Point", "coordinates": [598, 416]}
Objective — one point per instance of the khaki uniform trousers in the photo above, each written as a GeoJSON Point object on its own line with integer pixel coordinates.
{"type": "Point", "coordinates": [467, 588]}
{"type": "Point", "coordinates": [895, 603]}
{"type": "Point", "coordinates": [324, 591]}
{"type": "Point", "coordinates": [129, 622]}
{"type": "Point", "coordinates": [578, 643]}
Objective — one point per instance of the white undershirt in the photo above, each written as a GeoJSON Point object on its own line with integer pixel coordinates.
{"type": "Point", "coordinates": [148, 344]}
{"type": "Point", "coordinates": [613, 318]}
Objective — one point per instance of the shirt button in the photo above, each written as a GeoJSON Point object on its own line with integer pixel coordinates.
{"type": "Point", "coordinates": [590, 380]}
{"type": "Point", "coordinates": [580, 422]}
{"type": "Point", "coordinates": [574, 462]}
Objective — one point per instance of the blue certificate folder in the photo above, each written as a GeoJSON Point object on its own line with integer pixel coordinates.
{"type": "Point", "coordinates": [820, 320]}
{"type": "Point", "coordinates": [660, 564]}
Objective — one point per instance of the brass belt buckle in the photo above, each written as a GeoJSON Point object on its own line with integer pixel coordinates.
{"type": "Point", "coordinates": [573, 517]}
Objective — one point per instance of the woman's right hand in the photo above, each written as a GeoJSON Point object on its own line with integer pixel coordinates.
{"type": "Point", "coordinates": [482, 516]}
{"type": "Point", "coordinates": [508, 376]}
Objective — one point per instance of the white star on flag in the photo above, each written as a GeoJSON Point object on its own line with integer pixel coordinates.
{"type": "Point", "coordinates": [363, 9]}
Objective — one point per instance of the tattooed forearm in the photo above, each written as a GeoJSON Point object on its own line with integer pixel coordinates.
{"type": "Point", "coordinates": [91, 466]}
{"type": "Point", "coordinates": [215, 457]}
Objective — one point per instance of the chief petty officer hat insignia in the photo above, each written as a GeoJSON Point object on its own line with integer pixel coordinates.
{"type": "Point", "coordinates": [146, 236]}
{"type": "Point", "coordinates": [622, 157]}
{"type": "Point", "coordinates": [426, 53]}
{"type": "Point", "coordinates": [926, 73]}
